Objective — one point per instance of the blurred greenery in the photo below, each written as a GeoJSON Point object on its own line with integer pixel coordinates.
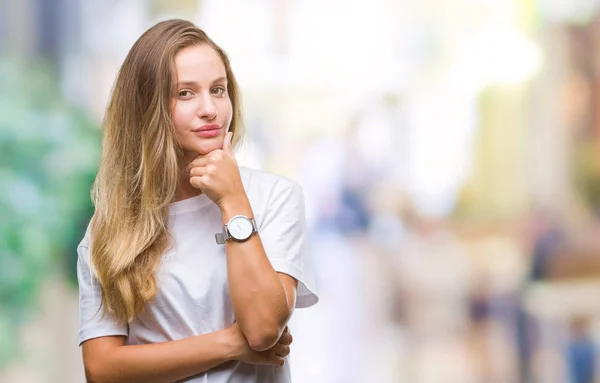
{"type": "Point", "coordinates": [48, 158]}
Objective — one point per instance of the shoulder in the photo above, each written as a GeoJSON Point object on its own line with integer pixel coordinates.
{"type": "Point", "coordinates": [85, 241]}
{"type": "Point", "coordinates": [259, 183]}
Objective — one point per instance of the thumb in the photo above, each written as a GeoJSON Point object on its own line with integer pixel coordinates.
{"type": "Point", "coordinates": [227, 143]}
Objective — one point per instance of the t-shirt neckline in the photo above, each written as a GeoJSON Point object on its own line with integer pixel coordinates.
{"type": "Point", "coordinates": [189, 204]}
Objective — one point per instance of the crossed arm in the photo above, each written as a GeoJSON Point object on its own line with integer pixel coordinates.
{"type": "Point", "coordinates": [109, 359]}
{"type": "Point", "coordinates": [263, 301]}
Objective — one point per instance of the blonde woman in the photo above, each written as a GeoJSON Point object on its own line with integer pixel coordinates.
{"type": "Point", "coordinates": [192, 265]}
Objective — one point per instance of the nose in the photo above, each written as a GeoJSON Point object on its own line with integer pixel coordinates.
{"type": "Point", "coordinates": [207, 108]}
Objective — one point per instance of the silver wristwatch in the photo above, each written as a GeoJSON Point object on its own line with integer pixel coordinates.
{"type": "Point", "coordinates": [239, 228]}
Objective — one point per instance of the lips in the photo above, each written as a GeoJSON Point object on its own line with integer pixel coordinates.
{"type": "Point", "coordinates": [206, 128]}
{"type": "Point", "coordinates": [208, 131]}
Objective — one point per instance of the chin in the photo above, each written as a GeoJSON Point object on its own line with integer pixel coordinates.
{"type": "Point", "coordinates": [206, 146]}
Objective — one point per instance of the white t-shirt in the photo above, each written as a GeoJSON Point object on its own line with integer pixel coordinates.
{"type": "Point", "coordinates": [193, 295]}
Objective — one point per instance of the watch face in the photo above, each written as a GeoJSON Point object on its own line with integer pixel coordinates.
{"type": "Point", "coordinates": [240, 228]}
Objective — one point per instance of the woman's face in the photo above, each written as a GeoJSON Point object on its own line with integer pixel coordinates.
{"type": "Point", "coordinates": [200, 109]}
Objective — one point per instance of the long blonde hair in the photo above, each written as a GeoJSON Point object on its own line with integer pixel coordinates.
{"type": "Point", "coordinates": [139, 167]}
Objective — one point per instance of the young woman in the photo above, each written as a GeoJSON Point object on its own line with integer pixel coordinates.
{"type": "Point", "coordinates": [192, 265]}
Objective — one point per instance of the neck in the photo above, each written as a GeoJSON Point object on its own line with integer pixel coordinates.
{"type": "Point", "coordinates": [185, 190]}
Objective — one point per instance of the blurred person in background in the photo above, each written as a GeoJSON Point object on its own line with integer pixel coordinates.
{"type": "Point", "coordinates": [162, 297]}
{"type": "Point", "coordinates": [581, 352]}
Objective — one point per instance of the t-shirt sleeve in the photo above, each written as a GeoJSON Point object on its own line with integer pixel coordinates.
{"type": "Point", "coordinates": [92, 322]}
{"type": "Point", "coordinates": [284, 236]}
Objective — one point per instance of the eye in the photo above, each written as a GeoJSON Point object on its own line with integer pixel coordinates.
{"type": "Point", "coordinates": [184, 93]}
{"type": "Point", "coordinates": [218, 91]}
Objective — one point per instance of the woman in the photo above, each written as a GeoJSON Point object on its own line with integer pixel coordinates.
{"type": "Point", "coordinates": [191, 266]}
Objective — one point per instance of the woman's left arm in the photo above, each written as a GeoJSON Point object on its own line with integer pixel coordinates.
{"type": "Point", "coordinates": [263, 300]}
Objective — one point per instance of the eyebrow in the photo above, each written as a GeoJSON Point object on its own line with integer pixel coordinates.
{"type": "Point", "coordinates": [194, 83]}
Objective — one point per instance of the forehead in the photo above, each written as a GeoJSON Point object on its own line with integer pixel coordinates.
{"type": "Point", "coordinates": [198, 63]}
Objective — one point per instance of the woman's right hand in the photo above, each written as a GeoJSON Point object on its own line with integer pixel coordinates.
{"type": "Point", "coordinates": [273, 356]}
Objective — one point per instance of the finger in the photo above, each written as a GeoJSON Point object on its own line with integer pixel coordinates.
{"type": "Point", "coordinates": [227, 143]}
{"type": "Point", "coordinates": [216, 154]}
{"type": "Point", "coordinates": [198, 182]}
{"type": "Point", "coordinates": [281, 350]}
{"type": "Point", "coordinates": [285, 338]}
{"type": "Point", "coordinates": [198, 171]}
{"type": "Point", "coordinates": [267, 358]}
{"type": "Point", "coordinates": [275, 360]}
{"type": "Point", "coordinates": [209, 169]}
{"type": "Point", "coordinates": [198, 161]}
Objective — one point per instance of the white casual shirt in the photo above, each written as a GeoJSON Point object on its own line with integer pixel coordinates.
{"type": "Point", "coordinates": [193, 295]}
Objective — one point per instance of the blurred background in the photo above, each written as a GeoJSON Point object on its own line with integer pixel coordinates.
{"type": "Point", "coordinates": [449, 152]}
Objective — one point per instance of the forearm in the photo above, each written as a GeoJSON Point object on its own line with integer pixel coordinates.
{"type": "Point", "coordinates": [160, 362]}
{"type": "Point", "coordinates": [260, 303]}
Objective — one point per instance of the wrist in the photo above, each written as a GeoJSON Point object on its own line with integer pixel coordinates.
{"type": "Point", "coordinates": [238, 205]}
{"type": "Point", "coordinates": [229, 339]}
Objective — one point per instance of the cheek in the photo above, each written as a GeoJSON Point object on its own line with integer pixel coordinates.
{"type": "Point", "coordinates": [182, 115]}
{"type": "Point", "coordinates": [227, 112]}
